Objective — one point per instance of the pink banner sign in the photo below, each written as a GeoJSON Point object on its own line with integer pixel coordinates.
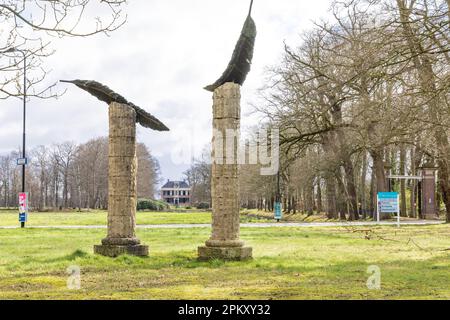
{"type": "Point", "coordinates": [23, 202]}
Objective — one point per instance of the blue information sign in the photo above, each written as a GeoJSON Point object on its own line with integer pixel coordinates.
{"type": "Point", "coordinates": [22, 217]}
{"type": "Point", "coordinates": [278, 213]}
{"type": "Point", "coordinates": [388, 202]}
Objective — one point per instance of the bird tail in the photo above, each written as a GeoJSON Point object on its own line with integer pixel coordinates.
{"type": "Point", "coordinates": [68, 81]}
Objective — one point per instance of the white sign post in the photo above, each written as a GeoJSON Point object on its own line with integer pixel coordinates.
{"type": "Point", "coordinates": [388, 202]}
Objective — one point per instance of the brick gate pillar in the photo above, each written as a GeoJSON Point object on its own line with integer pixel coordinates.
{"type": "Point", "coordinates": [428, 202]}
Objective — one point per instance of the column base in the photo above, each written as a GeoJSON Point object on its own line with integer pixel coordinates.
{"type": "Point", "coordinates": [117, 250]}
{"type": "Point", "coordinates": [224, 253]}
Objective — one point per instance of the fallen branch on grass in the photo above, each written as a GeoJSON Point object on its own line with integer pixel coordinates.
{"type": "Point", "coordinates": [370, 234]}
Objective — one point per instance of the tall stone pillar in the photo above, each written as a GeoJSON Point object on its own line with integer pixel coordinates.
{"type": "Point", "coordinates": [428, 203]}
{"type": "Point", "coordinates": [224, 242]}
{"type": "Point", "coordinates": [122, 196]}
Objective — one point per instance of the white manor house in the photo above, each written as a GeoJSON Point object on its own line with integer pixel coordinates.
{"type": "Point", "coordinates": [176, 193]}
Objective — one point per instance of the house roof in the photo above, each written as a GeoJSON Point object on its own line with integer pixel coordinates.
{"type": "Point", "coordinates": [171, 185]}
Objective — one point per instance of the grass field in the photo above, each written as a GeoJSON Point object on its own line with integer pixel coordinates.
{"type": "Point", "coordinates": [289, 263]}
{"type": "Point", "coordinates": [99, 217]}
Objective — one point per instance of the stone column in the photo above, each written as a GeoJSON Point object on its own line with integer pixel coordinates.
{"type": "Point", "coordinates": [224, 242]}
{"type": "Point", "coordinates": [122, 197]}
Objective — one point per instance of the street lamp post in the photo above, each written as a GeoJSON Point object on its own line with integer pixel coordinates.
{"type": "Point", "coordinates": [22, 223]}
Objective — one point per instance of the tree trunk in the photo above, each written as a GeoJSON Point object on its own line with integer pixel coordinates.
{"type": "Point", "coordinates": [319, 196]}
{"type": "Point", "coordinates": [310, 198]}
{"type": "Point", "coordinates": [342, 200]}
{"type": "Point", "coordinates": [363, 185]}
{"type": "Point", "coordinates": [373, 194]}
{"type": "Point", "coordinates": [403, 211]}
{"type": "Point", "coordinates": [380, 175]}
{"type": "Point", "coordinates": [65, 186]}
{"type": "Point", "coordinates": [412, 211]}
{"type": "Point", "coordinates": [351, 189]}
{"type": "Point", "coordinates": [289, 203]}
{"type": "Point", "coordinates": [331, 197]}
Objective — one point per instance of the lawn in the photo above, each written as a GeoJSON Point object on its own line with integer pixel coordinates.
{"type": "Point", "coordinates": [99, 217]}
{"type": "Point", "coordinates": [289, 263]}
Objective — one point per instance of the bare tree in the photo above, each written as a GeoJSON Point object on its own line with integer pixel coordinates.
{"type": "Point", "coordinates": [199, 178]}
{"type": "Point", "coordinates": [29, 26]}
{"type": "Point", "coordinates": [373, 80]}
{"type": "Point", "coordinates": [64, 154]}
{"type": "Point", "coordinates": [40, 163]}
{"type": "Point", "coordinates": [148, 172]}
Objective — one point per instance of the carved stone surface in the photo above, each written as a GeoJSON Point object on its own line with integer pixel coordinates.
{"type": "Point", "coordinates": [225, 253]}
{"type": "Point", "coordinates": [224, 242]}
{"type": "Point", "coordinates": [122, 196]}
{"type": "Point", "coordinates": [115, 251]}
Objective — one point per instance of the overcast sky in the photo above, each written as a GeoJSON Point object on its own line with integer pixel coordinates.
{"type": "Point", "coordinates": [160, 60]}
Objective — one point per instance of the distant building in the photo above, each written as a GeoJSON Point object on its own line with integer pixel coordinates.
{"type": "Point", "coordinates": [176, 193]}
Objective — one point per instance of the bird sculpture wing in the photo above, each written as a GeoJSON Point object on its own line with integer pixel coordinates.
{"type": "Point", "coordinates": [105, 94]}
{"type": "Point", "coordinates": [241, 60]}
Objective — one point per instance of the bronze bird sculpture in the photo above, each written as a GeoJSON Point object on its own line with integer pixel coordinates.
{"type": "Point", "coordinates": [107, 95]}
{"type": "Point", "coordinates": [241, 61]}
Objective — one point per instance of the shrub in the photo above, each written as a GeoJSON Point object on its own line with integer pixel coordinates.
{"type": "Point", "coordinates": [152, 205]}
{"type": "Point", "coordinates": [202, 205]}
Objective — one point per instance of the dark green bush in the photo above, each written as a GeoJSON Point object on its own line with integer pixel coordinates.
{"type": "Point", "coordinates": [151, 205]}
{"type": "Point", "coordinates": [202, 205]}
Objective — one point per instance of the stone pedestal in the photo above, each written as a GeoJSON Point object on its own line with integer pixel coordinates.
{"type": "Point", "coordinates": [122, 196]}
{"type": "Point", "coordinates": [224, 242]}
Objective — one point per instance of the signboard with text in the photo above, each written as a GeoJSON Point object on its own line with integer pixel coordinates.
{"type": "Point", "coordinates": [388, 202]}
{"type": "Point", "coordinates": [278, 213]}
{"type": "Point", "coordinates": [22, 162]}
{"type": "Point", "coordinates": [23, 206]}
